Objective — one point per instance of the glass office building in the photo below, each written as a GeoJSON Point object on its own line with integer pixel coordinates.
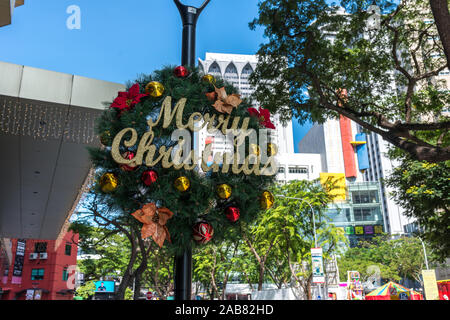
{"type": "Point", "coordinates": [360, 216]}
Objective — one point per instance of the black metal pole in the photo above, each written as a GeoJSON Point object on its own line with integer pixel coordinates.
{"type": "Point", "coordinates": [183, 263]}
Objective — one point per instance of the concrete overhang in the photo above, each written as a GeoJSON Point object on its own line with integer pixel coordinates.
{"type": "Point", "coordinates": [7, 10]}
{"type": "Point", "coordinates": [46, 122]}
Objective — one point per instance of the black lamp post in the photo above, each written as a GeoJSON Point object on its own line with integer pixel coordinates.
{"type": "Point", "coordinates": [183, 263]}
{"type": "Point", "coordinates": [189, 16]}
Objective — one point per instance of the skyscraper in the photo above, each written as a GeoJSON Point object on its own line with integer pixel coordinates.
{"type": "Point", "coordinates": [379, 169]}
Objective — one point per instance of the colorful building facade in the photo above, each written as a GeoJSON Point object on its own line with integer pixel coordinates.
{"type": "Point", "coordinates": [41, 269]}
{"type": "Point", "coordinates": [360, 216]}
{"type": "Point", "coordinates": [358, 203]}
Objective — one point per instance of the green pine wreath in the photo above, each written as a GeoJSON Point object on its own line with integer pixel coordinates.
{"type": "Point", "coordinates": [201, 201]}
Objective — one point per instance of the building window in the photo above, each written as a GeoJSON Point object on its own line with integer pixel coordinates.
{"type": "Point", "coordinates": [364, 214]}
{"type": "Point", "coordinates": [281, 170]}
{"type": "Point", "coordinates": [298, 170]}
{"type": "Point", "coordinates": [40, 247]}
{"type": "Point", "coordinates": [214, 69]}
{"type": "Point", "coordinates": [65, 275]}
{"type": "Point", "coordinates": [37, 274]}
{"type": "Point", "coordinates": [370, 196]}
{"type": "Point", "coordinates": [247, 70]}
{"type": "Point", "coordinates": [68, 250]}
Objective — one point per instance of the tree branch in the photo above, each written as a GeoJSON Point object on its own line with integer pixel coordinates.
{"type": "Point", "coordinates": [430, 73]}
{"type": "Point", "coordinates": [398, 66]}
{"type": "Point", "coordinates": [441, 14]}
{"type": "Point", "coordinates": [424, 126]}
{"type": "Point", "coordinates": [253, 250]}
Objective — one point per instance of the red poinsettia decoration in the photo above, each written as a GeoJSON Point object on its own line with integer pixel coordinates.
{"type": "Point", "coordinates": [263, 115]}
{"type": "Point", "coordinates": [127, 100]}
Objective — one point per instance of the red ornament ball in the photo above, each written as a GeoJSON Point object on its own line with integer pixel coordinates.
{"type": "Point", "coordinates": [149, 177]}
{"type": "Point", "coordinates": [232, 214]}
{"type": "Point", "coordinates": [181, 72]}
{"type": "Point", "coordinates": [203, 232]}
{"type": "Point", "coordinates": [128, 155]}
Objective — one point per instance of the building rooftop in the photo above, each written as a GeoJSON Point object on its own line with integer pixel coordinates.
{"type": "Point", "coordinates": [233, 57]}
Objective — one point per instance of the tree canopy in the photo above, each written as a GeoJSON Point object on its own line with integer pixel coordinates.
{"type": "Point", "coordinates": [383, 260]}
{"type": "Point", "coordinates": [423, 189]}
{"type": "Point", "coordinates": [376, 65]}
{"type": "Point", "coordinates": [276, 248]}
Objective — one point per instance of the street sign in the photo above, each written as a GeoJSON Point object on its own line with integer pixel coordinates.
{"type": "Point", "coordinates": [317, 265]}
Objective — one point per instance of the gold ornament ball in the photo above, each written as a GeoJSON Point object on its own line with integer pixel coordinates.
{"type": "Point", "coordinates": [267, 200]}
{"type": "Point", "coordinates": [108, 182]}
{"type": "Point", "coordinates": [182, 184]}
{"type": "Point", "coordinates": [154, 89]}
{"type": "Point", "coordinates": [209, 78]}
{"type": "Point", "coordinates": [254, 149]}
{"type": "Point", "coordinates": [224, 191]}
{"type": "Point", "coordinates": [272, 149]}
{"type": "Point", "coordinates": [105, 138]}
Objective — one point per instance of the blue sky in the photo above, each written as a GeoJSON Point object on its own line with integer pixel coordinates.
{"type": "Point", "coordinates": [118, 40]}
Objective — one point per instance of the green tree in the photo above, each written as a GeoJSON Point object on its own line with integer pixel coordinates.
{"type": "Point", "coordinates": [298, 235]}
{"type": "Point", "coordinates": [159, 273]}
{"type": "Point", "coordinates": [366, 260]}
{"type": "Point", "coordinates": [128, 294]}
{"type": "Point", "coordinates": [423, 189]}
{"type": "Point", "coordinates": [409, 255]}
{"type": "Point", "coordinates": [396, 259]}
{"type": "Point", "coordinates": [276, 248]}
{"type": "Point", "coordinates": [108, 250]}
{"type": "Point", "coordinates": [87, 290]}
{"type": "Point", "coordinates": [105, 253]}
{"type": "Point", "coordinates": [116, 239]}
{"type": "Point", "coordinates": [319, 63]}
{"type": "Point", "coordinates": [277, 268]}
{"type": "Point", "coordinates": [213, 266]}
{"type": "Point", "coordinates": [283, 236]}
{"type": "Point", "coordinates": [246, 267]}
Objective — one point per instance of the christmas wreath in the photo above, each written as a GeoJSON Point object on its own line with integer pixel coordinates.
{"type": "Point", "coordinates": [179, 202]}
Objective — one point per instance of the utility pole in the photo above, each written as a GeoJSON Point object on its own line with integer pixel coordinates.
{"type": "Point", "coordinates": [183, 263]}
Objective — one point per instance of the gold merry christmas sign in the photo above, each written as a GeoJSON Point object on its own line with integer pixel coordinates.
{"type": "Point", "coordinates": [171, 157]}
